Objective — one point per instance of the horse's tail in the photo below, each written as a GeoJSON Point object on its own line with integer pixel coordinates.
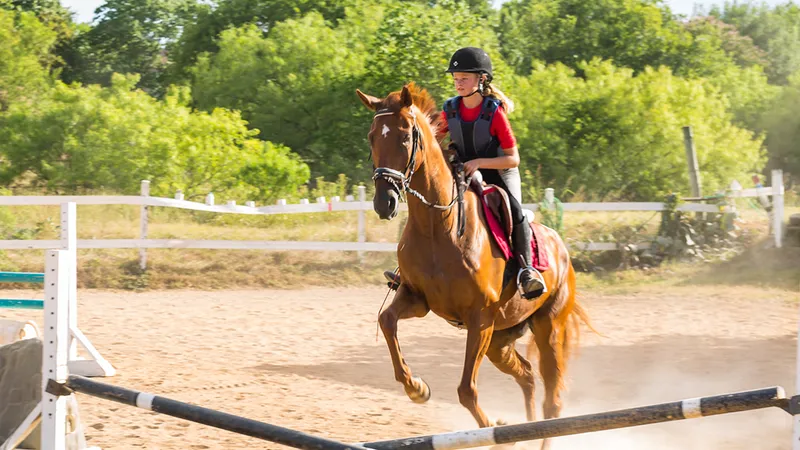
{"type": "Point", "coordinates": [572, 334]}
{"type": "Point", "coordinates": [565, 310]}
{"type": "Point", "coordinates": [577, 316]}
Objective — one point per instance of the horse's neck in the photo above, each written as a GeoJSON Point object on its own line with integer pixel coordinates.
{"type": "Point", "coordinates": [434, 180]}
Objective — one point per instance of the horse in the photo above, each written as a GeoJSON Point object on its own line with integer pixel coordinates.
{"type": "Point", "coordinates": [459, 274]}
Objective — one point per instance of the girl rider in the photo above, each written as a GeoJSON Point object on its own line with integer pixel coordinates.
{"type": "Point", "coordinates": [478, 126]}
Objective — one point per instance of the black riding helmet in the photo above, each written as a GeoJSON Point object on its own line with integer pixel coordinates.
{"type": "Point", "coordinates": [471, 59]}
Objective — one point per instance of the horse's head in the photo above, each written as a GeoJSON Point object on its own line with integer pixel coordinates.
{"type": "Point", "coordinates": [395, 141]}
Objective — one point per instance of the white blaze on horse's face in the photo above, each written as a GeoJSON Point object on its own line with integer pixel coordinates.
{"type": "Point", "coordinates": [384, 131]}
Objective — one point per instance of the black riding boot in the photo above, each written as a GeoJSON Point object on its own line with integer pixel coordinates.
{"type": "Point", "coordinates": [529, 281]}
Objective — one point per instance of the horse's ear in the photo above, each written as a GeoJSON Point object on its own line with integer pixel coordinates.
{"type": "Point", "coordinates": [368, 100]}
{"type": "Point", "coordinates": [406, 98]}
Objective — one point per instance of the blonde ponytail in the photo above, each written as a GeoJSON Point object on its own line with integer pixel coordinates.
{"type": "Point", "coordinates": [492, 91]}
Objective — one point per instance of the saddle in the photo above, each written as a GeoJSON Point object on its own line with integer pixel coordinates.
{"type": "Point", "coordinates": [496, 209]}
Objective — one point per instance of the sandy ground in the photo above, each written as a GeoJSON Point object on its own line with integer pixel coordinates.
{"type": "Point", "coordinates": [310, 360]}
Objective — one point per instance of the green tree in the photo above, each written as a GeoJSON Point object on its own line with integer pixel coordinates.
{"type": "Point", "coordinates": [297, 83]}
{"type": "Point", "coordinates": [66, 55]}
{"type": "Point", "coordinates": [782, 124]}
{"type": "Point", "coordinates": [289, 85]}
{"type": "Point", "coordinates": [88, 138]}
{"type": "Point", "coordinates": [632, 33]}
{"type": "Point", "coordinates": [131, 36]}
{"type": "Point", "coordinates": [50, 12]}
{"type": "Point", "coordinates": [748, 94]}
{"type": "Point", "coordinates": [201, 35]}
{"type": "Point", "coordinates": [717, 37]}
{"type": "Point", "coordinates": [775, 30]}
{"type": "Point", "coordinates": [616, 134]}
{"type": "Point", "coordinates": [415, 42]}
{"type": "Point", "coordinates": [732, 63]}
{"type": "Point", "coordinates": [25, 46]}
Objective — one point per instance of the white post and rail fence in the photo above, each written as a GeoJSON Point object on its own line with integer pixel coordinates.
{"type": "Point", "coordinates": [335, 204]}
{"type": "Point", "coordinates": [59, 384]}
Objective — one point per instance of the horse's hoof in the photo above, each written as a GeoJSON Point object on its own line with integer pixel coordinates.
{"type": "Point", "coordinates": [498, 423]}
{"type": "Point", "coordinates": [421, 395]}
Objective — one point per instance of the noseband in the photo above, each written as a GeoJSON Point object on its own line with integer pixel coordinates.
{"type": "Point", "coordinates": [399, 180]}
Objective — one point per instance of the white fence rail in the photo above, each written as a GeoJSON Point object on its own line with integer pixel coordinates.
{"type": "Point", "coordinates": [322, 205]}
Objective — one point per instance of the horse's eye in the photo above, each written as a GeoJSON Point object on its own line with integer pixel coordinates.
{"type": "Point", "coordinates": [406, 138]}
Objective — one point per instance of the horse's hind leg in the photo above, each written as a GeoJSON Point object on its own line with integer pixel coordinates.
{"type": "Point", "coordinates": [405, 305]}
{"type": "Point", "coordinates": [549, 339]}
{"type": "Point", "coordinates": [503, 354]}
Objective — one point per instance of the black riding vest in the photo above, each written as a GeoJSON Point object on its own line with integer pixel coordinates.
{"type": "Point", "coordinates": [473, 139]}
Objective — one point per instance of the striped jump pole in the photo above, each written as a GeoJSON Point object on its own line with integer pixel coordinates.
{"type": "Point", "coordinates": [665, 412]}
{"type": "Point", "coordinates": [199, 414]}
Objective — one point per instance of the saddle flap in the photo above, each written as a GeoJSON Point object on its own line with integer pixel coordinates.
{"type": "Point", "coordinates": [497, 209]}
{"type": "Point", "coordinates": [497, 201]}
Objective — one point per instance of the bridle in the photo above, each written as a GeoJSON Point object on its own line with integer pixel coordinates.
{"type": "Point", "coordinates": [399, 180]}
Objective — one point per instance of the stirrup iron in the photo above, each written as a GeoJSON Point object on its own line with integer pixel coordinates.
{"type": "Point", "coordinates": [537, 275]}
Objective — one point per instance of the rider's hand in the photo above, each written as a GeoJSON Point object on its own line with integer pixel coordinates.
{"type": "Point", "coordinates": [471, 166]}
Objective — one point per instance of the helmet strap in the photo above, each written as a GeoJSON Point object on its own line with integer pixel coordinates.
{"type": "Point", "coordinates": [479, 90]}
{"type": "Point", "coordinates": [476, 91]}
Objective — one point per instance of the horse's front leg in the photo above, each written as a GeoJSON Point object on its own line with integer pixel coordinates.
{"type": "Point", "coordinates": [405, 305]}
{"type": "Point", "coordinates": [480, 327]}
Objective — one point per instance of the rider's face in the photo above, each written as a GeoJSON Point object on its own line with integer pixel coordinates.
{"type": "Point", "coordinates": [465, 82]}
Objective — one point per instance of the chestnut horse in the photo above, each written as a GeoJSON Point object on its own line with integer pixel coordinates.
{"type": "Point", "coordinates": [461, 278]}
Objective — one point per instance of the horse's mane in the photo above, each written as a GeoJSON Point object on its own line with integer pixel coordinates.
{"type": "Point", "coordinates": [422, 100]}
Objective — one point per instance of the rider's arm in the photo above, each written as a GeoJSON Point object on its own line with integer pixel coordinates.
{"type": "Point", "coordinates": [509, 160]}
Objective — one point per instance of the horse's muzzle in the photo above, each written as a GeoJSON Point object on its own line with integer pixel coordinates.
{"type": "Point", "coordinates": [386, 203]}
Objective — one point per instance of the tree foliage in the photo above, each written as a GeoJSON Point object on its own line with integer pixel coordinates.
{"type": "Point", "coordinates": [782, 124]}
{"type": "Point", "coordinates": [255, 97]}
{"type": "Point", "coordinates": [616, 134]}
{"type": "Point", "coordinates": [131, 36]}
{"type": "Point", "coordinates": [632, 33]}
{"type": "Point", "coordinates": [775, 30]}
{"type": "Point", "coordinates": [88, 138]}
{"type": "Point", "coordinates": [25, 45]}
